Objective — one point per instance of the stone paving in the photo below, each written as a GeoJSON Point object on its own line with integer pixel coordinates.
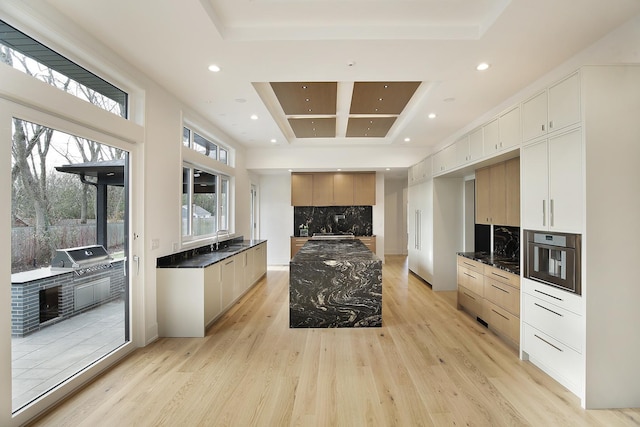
{"type": "Point", "coordinates": [45, 358]}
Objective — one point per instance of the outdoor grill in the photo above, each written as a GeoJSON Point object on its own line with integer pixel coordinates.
{"type": "Point", "coordinates": [81, 260]}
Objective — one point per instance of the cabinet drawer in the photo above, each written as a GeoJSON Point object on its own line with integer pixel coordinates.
{"type": "Point", "coordinates": [502, 276]}
{"type": "Point", "coordinates": [471, 302]}
{"type": "Point", "coordinates": [500, 319]}
{"type": "Point", "coordinates": [470, 264]}
{"type": "Point", "coordinates": [502, 295]}
{"type": "Point", "coordinates": [553, 295]}
{"type": "Point", "coordinates": [556, 359]}
{"type": "Point", "coordinates": [471, 280]}
{"type": "Point", "coordinates": [554, 321]}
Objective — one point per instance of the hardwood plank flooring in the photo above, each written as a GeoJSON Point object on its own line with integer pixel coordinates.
{"type": "Point", "coordinates": [429, 365]}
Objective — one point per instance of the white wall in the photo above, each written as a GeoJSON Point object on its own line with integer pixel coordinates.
{"type": "Point", "coordinates": [276, 217]}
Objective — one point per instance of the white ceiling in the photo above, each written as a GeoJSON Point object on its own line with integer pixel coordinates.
{"type": "Point", "coordinates": [438, 42]}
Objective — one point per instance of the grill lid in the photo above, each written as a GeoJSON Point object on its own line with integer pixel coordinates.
{"type": "Point", "coordinates": [80, 257]}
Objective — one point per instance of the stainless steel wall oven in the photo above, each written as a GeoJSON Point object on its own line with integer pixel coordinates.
{"type": "Point", "coordinates": [553, 259]}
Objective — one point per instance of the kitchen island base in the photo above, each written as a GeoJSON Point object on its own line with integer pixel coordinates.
{"type": "Point", "coordinates": [335, 284]}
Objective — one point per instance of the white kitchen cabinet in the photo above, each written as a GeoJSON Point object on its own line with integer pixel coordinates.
{"type": "Point", "coordinates": [188, 300]}
{"type": "Point", "coordinates": [259, 261]}
{"type": "Point", "coordinates": [434, 214]}
{"type": "Point", "coordinates": [444, 159]}
{"type": "Point", "coordinates": [502, 132]}
{"type": "Point", "coordinates": [552, 183]}
{"type": "Point", "coordinates": [227, 282]}
{"type": "Point", "coordinates": [476, 145]}
{"type": "Point", "coordinates": [420, 171]}
{"type": "Point", "coordinates": [491, 131]}
{"type": "Point", "coordinates": [593, 166]}
{"type": "Point", "coordinates": [553, 109]}
{"type": "Point", "coordinates": [461, 148]}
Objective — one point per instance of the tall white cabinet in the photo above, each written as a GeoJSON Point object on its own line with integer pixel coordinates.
{"type": "Point", "coordinates": [434, 217]}
{"type": "Point", "coordinates": [581, 174]}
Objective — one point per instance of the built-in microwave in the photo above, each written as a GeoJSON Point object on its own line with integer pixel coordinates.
{"type": "Point", "coordinates": [553, 259]}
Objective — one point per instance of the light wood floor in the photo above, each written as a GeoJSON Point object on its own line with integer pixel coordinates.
{"type": "Point", "coordinates": [428, 365]}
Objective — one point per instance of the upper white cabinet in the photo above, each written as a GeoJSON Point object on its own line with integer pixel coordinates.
{"type": "Point", "coordinates": [552, 183]}
{"type": "Point", "coordinates": [502, 132]}
{"type": "Point", "coordinates": [444, 159]}
{"type": "Point", "coordinates": [476, 141]}
{"type": "Point", "coordinates": [553, 109]}
{"type": "Point", "coordinates": [420, 171]}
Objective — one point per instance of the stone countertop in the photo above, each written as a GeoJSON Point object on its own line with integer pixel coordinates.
{"type": "Point", "coordinates": [199, 259]}
{"type": "Point", "coordinates": [334, 250]}
{"type": "Point", "coordinates": [510, 265]}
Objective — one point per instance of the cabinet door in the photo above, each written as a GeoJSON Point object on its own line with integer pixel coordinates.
{"type": "Point", "coordinates": [323, 189]}
{"type": "Point", "coordinates": [212, 305]}
{"type": "Point", "coordinates": [491, 133]}
{"type": "Point", "coordinates": [365, 188]}
{"type": "Point", "coordinates": [565, 182]}
{"type": "Point", "coordinates": [461, 151]}
{"type": "Point", "coordinates": [497, 194]}
{"type": "Point", "coordinates": [564, 103]}
{"type": "Point", "coordinates": [476, 148]}
{"type": "Point", "coordinates": [259, 261]}
{"type": "Point", "coordinates": [343, 187]}
{"type": "Point", "coordinates": [301, 189]}
{"type": "Point", "coordinates": [444, 159]}
{"type": "Point", "coordinates": [513, 192]}
{"type": "Point", "coordinates": [240, 264]}
{"type": "Point", "coordinates": [535, 186]}
{"type": "Point", "coordinates": [483, 198]}
{"type": "Point", "coordinates": [249, 275]}
{"type": "Point", "coordinates": [509, 127]}
{"type": "Point", "coordinates": [227, 279]}
{"type": "Point", "coordinates": [534, 117]}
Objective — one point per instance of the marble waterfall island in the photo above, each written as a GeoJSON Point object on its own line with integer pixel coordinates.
{"type": "Point", "coordinates": [335, 284]}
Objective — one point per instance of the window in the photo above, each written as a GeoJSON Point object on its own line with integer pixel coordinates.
{"type": "Point", "coordinates": [203, 145]}
{"type": "Point", "coordinates": [33, 58]}
{"type": "Point", "coordinates": [205, 203]}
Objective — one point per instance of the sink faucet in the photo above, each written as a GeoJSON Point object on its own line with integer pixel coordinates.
{"type": "Point", "coordinates": [218, 233]}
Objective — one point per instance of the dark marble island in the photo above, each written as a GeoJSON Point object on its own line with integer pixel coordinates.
{"type": "Point", "coordinates": [335, 284]}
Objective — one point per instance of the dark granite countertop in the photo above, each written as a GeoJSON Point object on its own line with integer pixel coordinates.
{"type": "Point", "coordinates": [204, 257]}
{"type": "Point", "coordinates": [334, 250]}
{"type": "Point", "coordinates": [510, 265]}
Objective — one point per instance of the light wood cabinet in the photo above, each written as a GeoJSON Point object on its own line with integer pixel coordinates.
{"type": "Point", "coordinates": [296, 244]}
{"type": "Point", "coordinates": [492, 295]}
{"type": "Point", "coordinates": [333, 189]}
{"type": "Point", "coordinates": [498, 194]}
{"type": "Point", "coordinates": [491, 195]}
{"type": "Point", "coordinates": [343, 189]}
{"type": "Point", "coordinates": [512, 188]}
{"type": "Point", "coordinates": [301, 189]}
{"type": "Point", "coordinates": [364, 193]}
{"type": "Point", "coordinates": [369, 242]}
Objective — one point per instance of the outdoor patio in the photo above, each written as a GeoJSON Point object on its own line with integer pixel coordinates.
{"type": "Point", "coordinates": [47, 357]}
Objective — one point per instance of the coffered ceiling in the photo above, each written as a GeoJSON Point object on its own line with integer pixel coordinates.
{"type": "Point", "coordinates": [344, 50]}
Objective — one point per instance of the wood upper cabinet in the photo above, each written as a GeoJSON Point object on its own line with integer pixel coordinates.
{"type": "Point", "coordinates": [512, 170]}
{"type": "Point", "coordinates": [498, 194]}
{"type": "Point", "coordinates": [364, 193]}
{"type": "Point", "coordinates": [301, 189]}
{"type": "Point", "coordinates": [322, 189]}
{"type": "Point", "coordinates": [333, 189]}
{"type": "Point", "coordinates": [343, 189]}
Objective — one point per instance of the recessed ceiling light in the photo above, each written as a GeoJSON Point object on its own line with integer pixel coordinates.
{"type": "Point", "coordinates": [407, 140]}
{"type": "Point", "coordinates": [339, 169]}
{"type": "Point", "coordinates": [432, 116]}
{"type": "Point", "coordinates": [214, 68]}
{"type": "Point", "coordinates": [254, 117]}
{"type": "Point", "coordinates": [482, 66]}
{"type": "Point", "coordinates": [388, 169]}
{"type": "Point", "coordinates": [273, 140]}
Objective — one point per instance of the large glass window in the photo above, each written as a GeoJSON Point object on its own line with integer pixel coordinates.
{"type": "Point", "coordinates": [204, 145]}
{"type": "Point", "coordinates": [205, 203]}
{"type": "Point", "coordinates": [35, 59]}
{"type": "Point", "coordinates": [68, 195]}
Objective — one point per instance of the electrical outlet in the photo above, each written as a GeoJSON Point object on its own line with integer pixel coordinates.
{"type": "Point", "coordinates": [175, 246]}
{"type": "Point", "coordinates": [155, 244]}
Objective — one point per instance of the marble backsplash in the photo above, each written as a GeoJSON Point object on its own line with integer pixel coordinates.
{"type": "Point", "coordinates": [506, 241]}
{"type": "Point", "coordinates": [334, 219]}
